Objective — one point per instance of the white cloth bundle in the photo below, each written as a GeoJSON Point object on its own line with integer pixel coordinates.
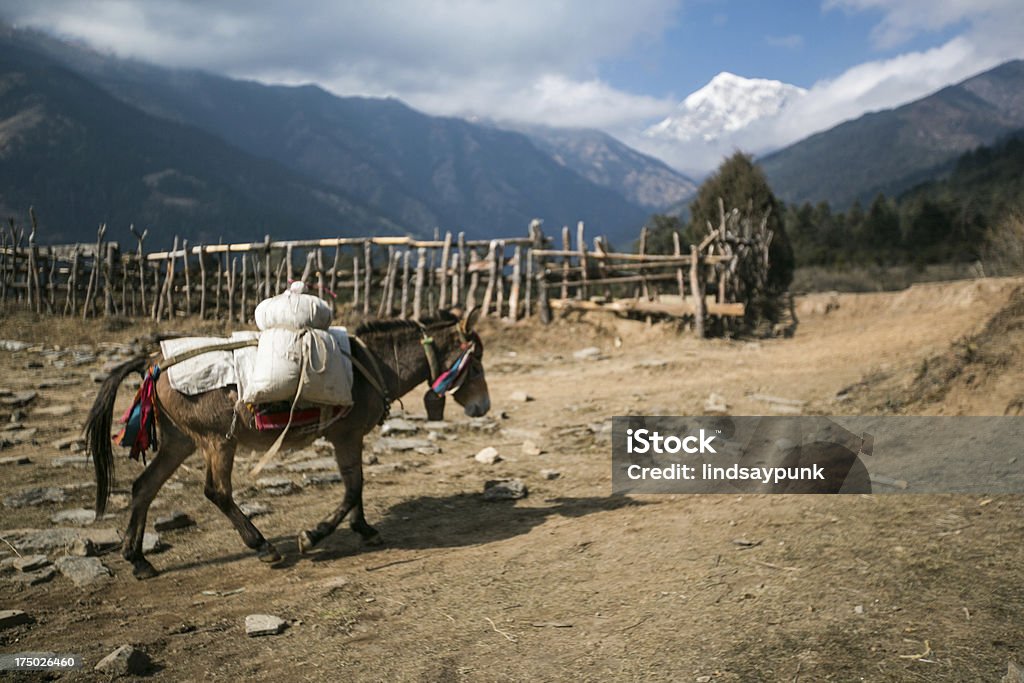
{"type": "Point", "coordinates": [308, 365]}
{"type": "Point", "coordinates": [293, 310]}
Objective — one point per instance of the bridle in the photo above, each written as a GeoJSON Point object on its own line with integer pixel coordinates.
{"type": "Point", "coordinates": [451, 379]}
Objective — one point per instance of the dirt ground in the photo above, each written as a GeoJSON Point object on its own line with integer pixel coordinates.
{"type": "Point", "coordinates": [568, 583]}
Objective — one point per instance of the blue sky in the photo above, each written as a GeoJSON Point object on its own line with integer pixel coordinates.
{"type": "Point", "coordinates": [798, 42]}
{"type": "Point", "coordinates": [607, 64]}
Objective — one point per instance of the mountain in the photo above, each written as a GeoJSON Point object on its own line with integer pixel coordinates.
{"type": "Point", "coordinates": [710, 122]}
{"type": "Point", "coordinates": [81, 157]}
{"type": "Point", "coordinates": [892, 150]}
{"type": "Point", "coordinates": [422, 171]}
{"type": "Point", "coordinates": [728, 103]}
{"type": "Point", "coordinates": [604, 161]}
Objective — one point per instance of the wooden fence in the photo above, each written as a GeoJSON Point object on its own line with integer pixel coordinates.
{"type": "Point", "coordinates": [510, 278]}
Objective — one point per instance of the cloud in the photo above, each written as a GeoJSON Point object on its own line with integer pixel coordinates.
{"type": "Point", "coordinates": [535, 60]}
{"type": "Point", "coordinates": [791, 41]}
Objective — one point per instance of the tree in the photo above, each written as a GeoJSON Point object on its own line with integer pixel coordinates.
{"type": "Point", "coordinates": [659, 234]}
{"type": "Point", "coordinates": [741, 184]}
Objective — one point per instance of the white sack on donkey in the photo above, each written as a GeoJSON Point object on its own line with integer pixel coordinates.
{"type": "Point", "coordinates": [293, 310]}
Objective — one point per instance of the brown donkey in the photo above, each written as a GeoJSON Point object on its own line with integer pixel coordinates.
{"type": "Point", "coordinates": [396, 351]}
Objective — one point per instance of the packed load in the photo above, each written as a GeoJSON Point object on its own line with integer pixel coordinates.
{"type": "Point", "coordinates": [299, 357]}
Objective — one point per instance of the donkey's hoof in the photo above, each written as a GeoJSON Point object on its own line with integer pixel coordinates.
{"type": "Point", "coordinates": [268, 553]}
{"type": "Point", "coordinates": [306, 542]}
{"type": "Point", "coordinates": [373, 540]}
{"type": "Point", "coordinates": [142, 569]}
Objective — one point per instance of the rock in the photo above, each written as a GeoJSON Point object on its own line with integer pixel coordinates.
{"type": "Point", "coordinates": [530, 448]}
{"type": "Point", "coordinates": [82, 571]}
{"type": "Point", "coordinates": [263, 625]}
{"type": "Point", "coordinates": [589, 353]}
{"type": "Point", "coordinates": [80, 516]}
{"type": "Point", "coordinates": [488, 456]}
{"type": "Point", "coordinates": [70, 461]}
{"type": "Point", "coordinates": [124, 661]}
{"type": "Point", "coordinates": [13, 617]}
{"type": "Point", "coordinates": [82, 547]}
{"type": "Point", "coordinates": [313, 465]}
{"type": "Point", "coordinates": [16, 460]}
{"type": "Point", "coordinates": [398, 426]}
{"type": "Point", "coordinates": [103, 539]}
{"type": "Point", "coordinates": [36, 496]}
{"type": "Point", "coordinates": [13, 345]}
{"type": "Point", "coordinates": [175, 520]}
{"type": "Point", "coordinates": [504, 489]}
{"type": "Point", "coordinates": [520, 396]}
{"type": "Point", "coordinates": [47, 540]}
{"type": "Point", "coordinates": [18, 434]}
{"type": "Point", "coordinates": [321, 479]}
{"type": "Point", "coordinates": [62, 410]}
{"type": "Point", "coordinates": [30, 563]}
{"type": "Point", "coordinates": [98, 377]}
{"type": "Point", "coordinates": [715, 403]}
{"type": "Point", "coordinates": [437, 425]}
{"type": "Point", "coordinates": [1014, 673]}
{"type": "Point", "coordinates": [550, 474]}
{"type": "Point", "coordinates": [276, 486]}
{"type": "Point", "coordinates": [428, 450]}
{"type": "Point", "coordinates": [484, 424]}
{"type": "Point", "coordinates": [69, 443]}
{"type": "Point", "coordinates": [151, 542]}
{"type": "Point", "coordinates": [18, 398]}
{"type": "Point", "coordinates": [254, 509]}
{"type": "Point", "coordinates": [37, 577]}
{"type": "Point", "coordinates": [398, 445]}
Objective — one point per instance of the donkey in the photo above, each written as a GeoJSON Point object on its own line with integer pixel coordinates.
{"type": "Point", "coordinates": [401, 353]}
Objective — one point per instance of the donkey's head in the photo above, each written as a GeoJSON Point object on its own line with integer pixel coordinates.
{"type": "Point", "coordinates": [470, 388]}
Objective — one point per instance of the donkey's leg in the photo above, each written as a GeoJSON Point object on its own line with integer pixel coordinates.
{"type": "Point", "coordinates": [174, 448]}
{"type": "Point", "coordinates": [348, 451]}
{"type": "Point", "coordinates": [220, 458]}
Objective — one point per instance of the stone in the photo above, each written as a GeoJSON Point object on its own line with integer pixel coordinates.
{"type": "Point", "coordinates": [36, 496]}
{"type": "Point", "coordinates": [323, 479]}
{"type": "Point", "coordinates": [13, 617]}
{"type": "Point", "coordinates": [488, 456]}
{"type": "Point", "coordinates": [18, 434]}
{"type": "Point", "coordinates": [437, 425]}
{"type": "Point", "coordinates": [102, 538]}
{"type": "Point", "coordinates": [13, 345]}
{"type": "Point", "coordinates": [30, 563]}
{"type": "Point", "coordinates": [62, 410]}
{"type": "Point", "coordinates": [263, 625]}
{"type": "Point", "coordinates": [398, 445]}
{"type": "Point", "coordinates": [18, 398]}
{"type": "Point", "coordinates": [589, 353]}
{"type": "Point", "coordinates": [82, 547]}
{"type": "Point", "coordinates": [16, 460]}
{"type": "Point", "coordinates": [175, 520]}
{"type": "Point", "coordinates": [504, 489]}
{"type": "Point", "coordinates": [83, 571]}
{"type": "Point", "coordinates": [70, 461]}
{"type": "Point", "coordinates": [98, 377]}
{"type": "Point", "coordinates": [69, 443]}
{"type": "Point", "coordinates": [1014, 673]}
{"type": "Point", "coordinates": [428, 450]}
{"type": "Point", "coordinates": [47, 540]}
{"type": "Point", "coordinates": [716, 403]}
{"type": "Point", "coordinates": [520, 396]}
{"type": "Point", "coordinates": [530, 448]}
{"type": "Point", "coordinates": [550, 474]}
{"type": "Point", "coordinates": [398, 426]}
{"type": "Point", "coordinates": [40, 576]}
{"type": "Point", "coordinates": [79, 516]}
{"type": "Point", "coordinates": [124, 661]}
{"type": "Point", "coordinates": [151, 542]}
{"type": "Point", "coordinates": [313, 465]}
{"type": "Point", "coordinates": [276, 486]}
{"type": "Point", "coordinates": [254, 509]}
{"type": "Point", "coordinates": [484, 424]}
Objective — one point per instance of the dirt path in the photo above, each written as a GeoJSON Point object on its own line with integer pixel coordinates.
{"type": "Point", "coordinates": [568, 583]}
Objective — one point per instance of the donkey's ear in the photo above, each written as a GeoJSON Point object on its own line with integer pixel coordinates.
{"type": "Point", "coordinates": [468, 321]}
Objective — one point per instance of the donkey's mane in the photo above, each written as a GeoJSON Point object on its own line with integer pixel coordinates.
{"type": "Point", "coordinates": [375, 327]}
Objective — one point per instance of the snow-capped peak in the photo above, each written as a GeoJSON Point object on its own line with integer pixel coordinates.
{"type": "Point", "coordinates": [725, 105]}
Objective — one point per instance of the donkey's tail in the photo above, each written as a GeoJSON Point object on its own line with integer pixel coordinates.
{"type": "Point", "coordinates": [97, 429]}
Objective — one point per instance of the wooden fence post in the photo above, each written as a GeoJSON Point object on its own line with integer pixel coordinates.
{"type": "Point", "coordinates": [513, 297]}
{"type": "Point", "coordinates": [697, 290]}
{"type": "Point", "coordinates": [421, 275]}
